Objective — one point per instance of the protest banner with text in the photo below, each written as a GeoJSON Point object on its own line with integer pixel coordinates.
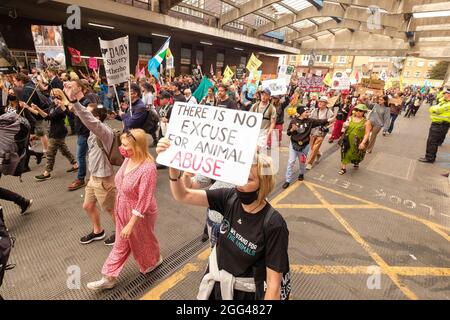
{"type": "Point", "coordinates": [116, 59]}
{"type": "Point", "coordinates": [276, 86]}
{"type": "Point", "coordinates": [215, 142]}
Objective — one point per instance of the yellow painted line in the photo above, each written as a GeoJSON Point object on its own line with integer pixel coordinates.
{"type": "Point", "coordinates": [166, 285]}
{"type": "Point", "coordinates": [321, 206]}
{"type": "Point", "coordinates": [383, 265]}
{"type": "Point", "coordinates": [432, 225]}
{"type": "Point", "coordinates": [285, 193]}
{"type": "Point", "coordinates": [352, 270]}
{"type": "Point", "coordinates": [204, 255]}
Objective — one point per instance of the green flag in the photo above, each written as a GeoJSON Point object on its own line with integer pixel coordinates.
{"type": "Point", "coordinates": [202, 89]}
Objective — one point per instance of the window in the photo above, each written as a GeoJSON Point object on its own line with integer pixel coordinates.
{"type": "Point", "coordinates": [430, 64]}
{"type": "Point", "coordinates": [407, 73]}
{"type": "Point", "coordinates": [186, 56]}
{"type": "Point", "coordinates": [428, 75]}
{"type": "Point", "coordinates": [236, 24]}
{"type": "Point", "coordinates": [220, 59]}
{"type": "Point", "coordinates": [417, 75]}
{"type": "Point", "coordinates": [199, 57]}
{"type": "Point", "coordinates": [196, 3]}
{"type": "Point", "coordinates": [420, 63]}
{"type": "Point", "coordinates": [342, 59]}
{"type": "Point", "coordinates": [145, 50]}
{"type": "Point", "coordinates": [410, 63]}
{"type": "Point", "coordinates": [323, 58]}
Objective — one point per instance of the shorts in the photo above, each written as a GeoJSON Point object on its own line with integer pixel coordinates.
{"type": "Point", "coordinates": [41, 128]}
{"type": "Point", "coordinates": [102, 190]}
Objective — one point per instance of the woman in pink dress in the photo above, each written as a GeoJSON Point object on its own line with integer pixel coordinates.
{"type": "Point", "coordinates": [136, 211]}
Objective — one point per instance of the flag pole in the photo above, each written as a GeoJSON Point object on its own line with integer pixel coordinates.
{"type": "Point", "coordinates": [129, 97]}
{"type": "Point", "coordinates": [117, 96]}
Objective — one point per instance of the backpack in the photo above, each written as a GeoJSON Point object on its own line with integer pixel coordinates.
{"type": "Point", "coordinates": [114, 156]}
{"type": "Point", "coordinates": [6, 243]}
{"type": "Point", "coordinates": [14, 133]}
{"type": "Point", "coordinates": [256, 107]}
{"type": "Point", "coordinates": [151, 121]}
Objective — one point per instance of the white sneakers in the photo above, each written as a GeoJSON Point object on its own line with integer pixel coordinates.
{"type": "Point", "coordinates": [308, 166]}
{"type": "Point", "coordinates": [160, 260]}
{"type": "Point", "coordinates": [102, 284]}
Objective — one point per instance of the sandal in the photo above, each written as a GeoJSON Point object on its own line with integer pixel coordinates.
{"type": "Point", "coordinates": [73, 169]}
{"type": "Point", "coordinates": [342, 171]}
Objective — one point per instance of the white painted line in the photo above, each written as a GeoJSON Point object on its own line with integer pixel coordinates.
{"type": "Point", "coordinates": [413, 257]}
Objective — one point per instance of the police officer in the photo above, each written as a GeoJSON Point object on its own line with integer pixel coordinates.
{"type": "Point", "coordinates": [440, 118]}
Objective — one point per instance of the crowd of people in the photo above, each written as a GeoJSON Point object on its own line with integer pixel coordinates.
{"type": "Point", "coordinates": [58, 104]}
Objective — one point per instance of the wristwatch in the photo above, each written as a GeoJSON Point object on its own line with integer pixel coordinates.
{"type": "Point", "coordinates": [178, 178]}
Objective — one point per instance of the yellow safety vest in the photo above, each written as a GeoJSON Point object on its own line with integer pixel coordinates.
{"type": "Point", "coordinates": [440, 112]}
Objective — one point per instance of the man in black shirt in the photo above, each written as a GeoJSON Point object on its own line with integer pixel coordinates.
{"type": "Point", "coordinates": [223, 100]}
{"type": "Point", "coordinates": [299, 130]}
{"type": "Point", "coordinates": [55, 81]}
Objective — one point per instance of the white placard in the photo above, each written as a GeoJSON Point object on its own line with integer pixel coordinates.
{"type": "Point", "coordinates": [116, 57]}
{"type": "Point", "coordinates": [169, 63]}
{"type": "Point", "coordinates": [340, 81]}
{"type": "Point", "coordinates": [282, 71]}
{"type": "Point", "coordinates": [215, 142]}
{"type": "Point", "coordinates": [276, 86]}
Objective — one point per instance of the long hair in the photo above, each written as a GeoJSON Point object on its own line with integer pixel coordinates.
{"type": "Point", "coordinates": [138, 142]}
{"type": "Point", "coordinates": [266, 176]}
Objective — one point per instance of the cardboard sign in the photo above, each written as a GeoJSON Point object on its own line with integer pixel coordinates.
{"type": "Point", "coordinates": [340, 81]}
{"type": "Point", "coordinates": [93, 63]}
{"type": "Point", "coordinates": [253, 63]}
{"type": "Point", "coordinates": [310, 84]}
{"type": "Point", "coordinates": [215, 142]}
{"type": "Point", "coordinates": [276, 86]}
{"type": "Point", "coordinates": [117, 60]}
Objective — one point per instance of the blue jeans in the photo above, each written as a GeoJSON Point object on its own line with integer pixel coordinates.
{"type": "Point", "coordinates": [393, 118]}
{"type": "Point", "coordinates": [82, 148]}
{"type": "Point", "coordinates": [293, 155]}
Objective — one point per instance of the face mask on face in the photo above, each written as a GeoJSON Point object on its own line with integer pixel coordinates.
{"type": "Point", "coordinates": [124, 152]}
{"type": "Point", "coordinates": [247, 197]}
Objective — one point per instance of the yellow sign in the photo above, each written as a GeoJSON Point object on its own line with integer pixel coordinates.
{"type": "Point", "coordinates": [227, 74]}
{"type": "Point", "coordinates": [253, 64]}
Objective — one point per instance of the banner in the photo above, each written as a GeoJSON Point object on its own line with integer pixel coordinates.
{"type": "Point", "coordinates": [227, 74]}
{"type": "Point", "coordinates": [8, 63]}
{"type": "Point", "coordinates": [276, 86]}
{"type": "Point", "coordinates": [49, 47]}
{"type": "Point", "coordinates": [117, 60]}
{"type": "Point", "coordinates": [93, 63]}
{"type": "Point", "coordinates": [215, 142]}
{"type": "Point", "coordinates": [253, 80]}
{"type": "Point", "coordinates": [253, 63]}
{"type": "Point", "coordinates": [340, 81]}
{"type": "Point", "coordinates": [311, 84]}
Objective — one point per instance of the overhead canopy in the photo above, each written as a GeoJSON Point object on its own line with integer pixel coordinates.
{"type": "Point", "coordinates": [372, 27]}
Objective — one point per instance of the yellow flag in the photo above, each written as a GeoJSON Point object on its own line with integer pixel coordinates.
{"type": "Point", "coordinates": [253, 64]}
{"type": "Point", "coordinates": [227, 74]}
{"type": "Point", "coordinates": [327, 80]}
{"type": "Point", "coordinates": [168, 53]}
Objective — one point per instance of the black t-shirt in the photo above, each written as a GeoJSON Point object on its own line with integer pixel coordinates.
{"type": "Point", "coordinates": [245, 249]}
{"type": "Point", "coordinates": [80, 128]}
{"type": "Point", "coordinates": [227, 103]}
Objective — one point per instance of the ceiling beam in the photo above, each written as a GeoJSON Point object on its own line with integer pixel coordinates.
{"type": "Point", "coordinates": [243, 10]}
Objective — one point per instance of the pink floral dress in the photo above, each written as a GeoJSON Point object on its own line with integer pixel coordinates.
{"type": "Point", "coordinates": [135, 196]}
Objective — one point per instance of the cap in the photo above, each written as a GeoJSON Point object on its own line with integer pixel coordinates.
{"type": "Point", "coordinates": [301, 110]}
{"type": "Point", "coordinates": [267, 91]}
{"type": "Point", "coordinates": [323, 98]}
{"type": "Point", "coordinates": [361, 107]}
{"type": "Point", "coordinates": [164, 95]}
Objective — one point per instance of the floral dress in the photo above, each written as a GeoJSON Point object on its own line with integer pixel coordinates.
{"type": "Point", "coordinates": [135, 196]}
{"type": "Point", "coordinates": [355, 134]}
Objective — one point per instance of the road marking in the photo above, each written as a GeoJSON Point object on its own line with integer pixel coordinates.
{"type": "Point", "coordinates": [321, 206]}
{"type": "Point", "coordinates": [381, 263]}
{"type": "Point", "coordinates": [285, 193]}
{"type": "Point", "coordinates": [173, 280]}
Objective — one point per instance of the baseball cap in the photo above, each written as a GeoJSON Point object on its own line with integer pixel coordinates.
{"type": "Point", "coordinates": [323, 98]}
{"type": "Point", "coordinates": [267, 91]}
{"type": "Point", "coordinates": [301, 110]}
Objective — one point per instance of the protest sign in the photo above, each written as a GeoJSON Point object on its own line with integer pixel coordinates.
{"type": "Point", "coordinates": [340, 81]}
{"type": "Point", "coordinates": [117, 60]}
{"type": "Point", "coordinates": [49, 47]}
{"type": "Point", "coordinates": [253, 80]}
{"type": "Point", "coordinates": [282, 70]}
{"type": "Point", "coordinates": [215, 142]}
{"type": "Point", "coordinates": [253, 63]}
{"type": "Point", "coordinates": [227, 74]}
{"type": "Point", "coordinates": [169, 62]}
{"type": "Point", "coordinates": [93, 63]}
{"type": "Point", "coordinates": [8, 63]}
{"type": "Point", "coordinates": [276, 86]}
{"type": "Point", "coordinates": [310, 84]}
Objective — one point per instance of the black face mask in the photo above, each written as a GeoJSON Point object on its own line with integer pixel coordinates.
{"type": "Point", "coordinates": [12, 98]}
{"type": "Point", "coordinates": [247, 197]}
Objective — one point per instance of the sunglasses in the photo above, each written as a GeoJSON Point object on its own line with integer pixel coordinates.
{"type": "Point", "coordinates": [129, 134]}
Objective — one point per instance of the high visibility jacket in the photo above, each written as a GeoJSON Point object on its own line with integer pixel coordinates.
{"type": "Point", "coordinates": [440, 112]}
{"type": "Point", "coordinates": [440, 96]}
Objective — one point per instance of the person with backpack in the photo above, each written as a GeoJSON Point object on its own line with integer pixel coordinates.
{"type": "Point", "coordinates": [250, 260]}
{"type": "Point", "coordinates": [101, 187]}
{"type": "Point", "coordinates": [57, 134]}
{"type": "Point", "coordinates": [136, 212]}
{"type": "Point", "coordinates": [30, 94]}
{"type": "Point", "coordinates": [269, 113]}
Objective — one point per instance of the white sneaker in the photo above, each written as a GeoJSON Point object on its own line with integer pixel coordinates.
{"type": "Point", "coordinates": [102, 284]}
{"type": "Point", "coordinates": [155, 266]}
{"type": "Point", "coordinates": [308, 167]}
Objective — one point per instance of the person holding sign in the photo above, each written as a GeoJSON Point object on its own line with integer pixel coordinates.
{"type": "Point", "coordinates": [250, 260]}
{"type": "Point", "coordinates": [134, 118]}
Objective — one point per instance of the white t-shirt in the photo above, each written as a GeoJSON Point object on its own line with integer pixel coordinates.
{"type": "Point", "coordinates": [147, 98]}
{"type": "Point", "coordinates": [191, 100]}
